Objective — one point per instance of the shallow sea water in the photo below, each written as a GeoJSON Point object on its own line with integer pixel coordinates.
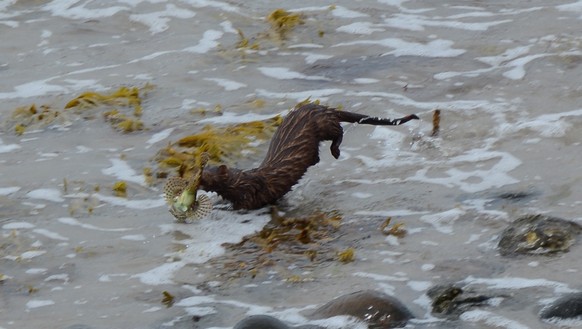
{"type": "Point", "coordinates": [505, 76]}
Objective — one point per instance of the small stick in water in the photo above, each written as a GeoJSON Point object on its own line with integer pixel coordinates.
{"type": "Point", "coordinates": [436, 123]}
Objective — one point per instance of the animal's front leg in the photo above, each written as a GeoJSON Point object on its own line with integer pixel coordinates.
{"type": "Point", "coordinates": [335, 144]}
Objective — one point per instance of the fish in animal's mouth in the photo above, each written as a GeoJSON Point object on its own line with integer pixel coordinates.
{"type": "Point", "coordinates": [181, 195]}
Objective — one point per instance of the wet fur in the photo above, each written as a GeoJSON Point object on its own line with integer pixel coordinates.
{"type": "Point", "coordinates": [293, 149]}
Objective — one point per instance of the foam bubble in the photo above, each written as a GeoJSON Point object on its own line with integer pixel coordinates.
{"type": "Point", "coordinates": [9, 190]}
{"type": "Point", "coordinates": [160, 136]}
{"type": "Point", "coordinates": [5, 148]}
{"type": "Point", "coordinates": [17, 226]}
{"type": "Point", "coordinates": [120, 169]}
{"type": "Point", "coordinates": [158, 21]}
{"type": "Point", "coordinates": [36, 303]}
{"type": "Point", "coordinates": [360, 28]}
{"type": "Point", "coordinates": [47, 194]}
{"type": "Point", "coordinates": [284, 73]}
{"type": "Point", "coordinates": [228, 85]}
{"type": "Point", "coordinates": [75, 222]}
{"type": "Point", "coordinates": [491, 319]}
{"type": "Point", "coordinates": [207, 42]}
{"type": "Point", "coordinates": [434, 48]}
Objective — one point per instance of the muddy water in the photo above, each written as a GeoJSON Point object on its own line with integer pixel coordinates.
{"type": "Point", "coordinates": [505, 76]}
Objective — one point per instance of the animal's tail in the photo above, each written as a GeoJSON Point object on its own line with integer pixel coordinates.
{"type": "Point", "coordinates": [351, 117]}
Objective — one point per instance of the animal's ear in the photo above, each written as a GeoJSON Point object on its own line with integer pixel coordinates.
{"type": "Point", "coordinates": [222, 170]}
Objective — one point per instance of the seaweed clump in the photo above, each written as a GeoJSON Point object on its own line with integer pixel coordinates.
{"type": "Point", "coordinates": [282, 22]}
{"type": "Point", "coordinates": [32, 116]}
{"type": "Point", "coordinates": [299, 242]}
{"type": "Point", "coordinates": [123, 97]}
{"type": "Point", "coordinates": [222, 144]}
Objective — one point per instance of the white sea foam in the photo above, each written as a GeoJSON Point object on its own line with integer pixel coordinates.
{"type": "Point", "coordinates": [366, 28]}
{"type": "Point", "coordinates": [162, 274]}
{"type": "Point", "coordinates": [234, 118]}
{"type": "Point", "coordinates": [5, 148]}
{"type": "Point", "coordinates": [76, 222]}
{"type": "Point", "coordinates": [159, 136]}
{"type": "Point", "coordinates": [120, 169]}
{"type": "Point", "coordinates": [50, 234]}
{"type": "Point", "coordinates": [36, 303]}
{"type": "Point", "coordinates": [17, 226]}
{"type": "Point", "coordinates": [213, 4]}
{"type": "Point", "coordinates": [33, 89]}
{"type": "Point", "coordinates": [158, 21]}
{"type": "Point", "coordinates": [321, 94]}
{"type": "Point", "coordinates": [434, 48]}
{"type": "Point", "coordinates": [475, 180]}
{"type": "Point", "coordinates": [47, 194]}
{"type": "Point", "coordinates": [32, 254]}
{"type": "Point", "coordinates": [420, 23]}
{"type": "Point", "coordinates": [443, 222]}
{"type": "Point", "coordinates": [518, 283]}
{"type": "Point", "coordinates": [72, 9]}
{"type": "Point", "coordinates": [284, 73]}
{"type": "Point", "coordinates": [547, 125]}
{"type": "Point", "coordinates": [491, 319]}
{"type": "Point", "coordinates": [9, 190]}
{"type": "Point", "coordinates": [228, 85]}
{"type": "Point", "coordinates": [379, 277]}
{"type": "Point", "coordinates": [575, 7]}
{"type": "Point", "coordinates": [134, 237]}
{"type": "Point", "coordinates": [141, 204]}
{"type": "Point", "coordinates": [207, 42]}
{"type": "Point", "coordinates": [365, 80]}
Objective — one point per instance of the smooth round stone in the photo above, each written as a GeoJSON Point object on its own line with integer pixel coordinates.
{"type": "Point", "coordinates": [567, 307]}
{"type": "Point", "coordinates": [538, 235]}
{"type": "Point", "coordinates": [374, 307]}
{"type": "Point", "coordinates": [267, 322]}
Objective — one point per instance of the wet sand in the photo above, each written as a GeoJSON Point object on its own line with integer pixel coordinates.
{"type": "Point", "coordinates": [505, 76]}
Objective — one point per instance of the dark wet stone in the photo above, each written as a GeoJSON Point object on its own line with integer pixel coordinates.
{"type": "Point", "coordinates": [375, 308]}
{"type": "Point", "coordinates": [79, 326]}
{"type": "Point", "coordinates": [538, 234]}
{"type": "Point", "coordinates": [267, 322]}
{"type": "Point", "coordinates": [567, 307]}
{"type": "Point", "coordinates": [449, 300]}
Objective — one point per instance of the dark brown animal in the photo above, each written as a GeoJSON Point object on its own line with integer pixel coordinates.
{"type": "Point", "coordinates": [293, 149]}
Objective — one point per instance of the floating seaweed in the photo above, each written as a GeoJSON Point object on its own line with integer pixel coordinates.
{"type": "Point", "coordinates": [120, 189]}
{"type": "Point", "coordinates": [282, 22]}
{"type": "Point", "coordinates": [32, 117]}
{"type": "Point", "coordinates": [396, 230]}
{"type": "Point", "coordinates": [347, 256]}
{"type": "Point", "coordinates": [37, 117]}
{"type": "Point", "coordinates": [302, 241]}
{"type": "Point", "coordinates": [221, 144]}
{"type": "Point", "coordinates": [167, 299]}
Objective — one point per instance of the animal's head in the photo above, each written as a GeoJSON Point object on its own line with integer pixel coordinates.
{"type": "Point", "coordinates": [215, 178]}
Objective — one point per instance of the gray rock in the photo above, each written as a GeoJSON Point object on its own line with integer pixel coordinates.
{"type": "Point", "coordinates": [566, 307]}
{"type": "Point", "coordinates": [267, 322]}
{"type": "Point", "coordinates": [538, 235]}
{"type": "Point", "coordinates": [375, 308]}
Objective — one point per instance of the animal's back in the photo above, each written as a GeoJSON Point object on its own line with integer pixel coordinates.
{"type": "Point", "coordinates": [297, 138]}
